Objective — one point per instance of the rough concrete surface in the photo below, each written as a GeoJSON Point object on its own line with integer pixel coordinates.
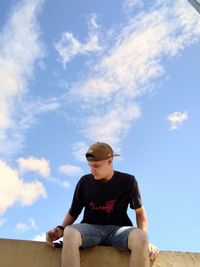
{"type": "Point", "coordinates": [18, 253]}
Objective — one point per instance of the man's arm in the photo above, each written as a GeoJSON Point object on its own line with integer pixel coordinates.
{"type": "Point", "coordinates": [141, 219]}
{"type": "Point", "coordinates": [142, 223]}
{"type": "Point", "coordinates": [57, 232]}
{"type": "Point", "coordinates": [68, 220]}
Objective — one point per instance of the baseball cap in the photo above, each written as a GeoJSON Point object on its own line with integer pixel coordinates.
{"type": "Point", "coordinates": [100, 151]}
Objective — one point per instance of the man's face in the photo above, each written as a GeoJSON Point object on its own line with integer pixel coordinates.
{"type": "Point", "coordinates": [101, 169]}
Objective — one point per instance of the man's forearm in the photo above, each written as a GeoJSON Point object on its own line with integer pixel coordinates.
{"type": "Point", "coordinates": [142, 224]}
{"type": "Point", "coordinates": [68, 220]}
{"type": "Point", "coordinates": [141, 219]}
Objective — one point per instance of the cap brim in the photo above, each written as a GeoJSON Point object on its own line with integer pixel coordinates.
{"type": "Point", "coordinates": [116, 154]}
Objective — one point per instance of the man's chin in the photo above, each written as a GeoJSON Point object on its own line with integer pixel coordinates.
{"type": "Point", "coordinates": [97, 177]}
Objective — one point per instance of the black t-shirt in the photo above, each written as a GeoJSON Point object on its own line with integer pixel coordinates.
{"type": "Point", "coordinates": [106, 202]}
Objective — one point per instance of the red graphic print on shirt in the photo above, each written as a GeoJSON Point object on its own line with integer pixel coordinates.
{"type": "Point", "coordinates": [108, 207]}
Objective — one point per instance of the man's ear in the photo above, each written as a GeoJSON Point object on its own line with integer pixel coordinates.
{"type": "Point", "coordinates": [110, 161]}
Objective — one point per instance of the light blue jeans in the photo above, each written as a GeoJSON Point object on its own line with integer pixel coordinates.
{"type": "Point", "coordinates": [105, 235]}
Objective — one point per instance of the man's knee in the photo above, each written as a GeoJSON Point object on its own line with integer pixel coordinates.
{"type": "Point", "coordinates": [137, 239]}
{"type": "Point", "coordinates": [72, 236]}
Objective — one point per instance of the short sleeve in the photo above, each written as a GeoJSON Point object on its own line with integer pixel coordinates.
{"type": "Point", "coordinates": [77, 201]}
{"type": "Point", "coordinates": [135, 198]}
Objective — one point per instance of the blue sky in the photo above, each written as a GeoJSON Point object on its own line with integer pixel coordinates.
{"type": "Point", "coordinates": [76, 72]}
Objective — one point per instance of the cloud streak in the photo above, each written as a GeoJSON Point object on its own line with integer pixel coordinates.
{"type": "Point", "coordinates": [70, 169]}
{"type": "Point", "coordinates": [19, 36]}
{"type": "Point", "coordinates": [24, 227]}
{"type": "Point", "coordinates": [40, 237]}
{"type": "Point", "coordinates": [108, 95]}
{"type": "Point", "coordinates": [68, 46]}
{"type": "Point", "coordinates": [131, 5]}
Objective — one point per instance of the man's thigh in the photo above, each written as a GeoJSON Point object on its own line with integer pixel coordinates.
{"type": "Point", "coordinates": [119, 237]}
{"type": "Point", "coordinates": [107, 235]}
{"type": "Point", "coordinates": [91, 236]}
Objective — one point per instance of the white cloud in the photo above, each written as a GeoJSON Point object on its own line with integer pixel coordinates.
{"type": "Point", "coordinates": [19, 36]}
{"type": "Point", "coordinates": [31, 110]}
{"type": "Point", "coordinates": [65, 184]}
{"type": "Point", "coordinates": [68, 46]}
{"type": "Point", "coordinates": [70, 169]}
{"type": "Point", "coordinates": [111, 126]}
{"type": "Point", "coordinates": [11, 142]}
{"type": "Point", "coordinates": [128, 70]}
{"type": "Point", "coordinates": [95, 87]}
{"type": "Point", "coordinates": [40, 237]}
{"type": "Point", "coordinates": [176, 119]}
{"type": "Point", "coordinates": [92, 24]}
{"type": "Point", "coordinates": [23, 227]}
{"type": "Point", "coordinates": [48, 105]}
{"type": "Point", "coordinates": [38, 165]}
{"type": "Point", "coordinates": [14, 190]}
{"type": "Point", "coordinates": [79, 149]}
{"type": "Point", "coordinates": [131, 5]}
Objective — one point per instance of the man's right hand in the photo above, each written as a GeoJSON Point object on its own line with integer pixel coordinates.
{"type": "Point", "coordinates": [53, 235]}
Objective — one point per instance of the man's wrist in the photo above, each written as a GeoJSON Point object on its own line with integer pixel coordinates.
{"type": "Point", "coordinates": [60, 227]}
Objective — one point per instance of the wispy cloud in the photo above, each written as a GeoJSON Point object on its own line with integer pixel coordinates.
{"type": "Point", "coordinates": [176, 119]}
{"type": "Point", "coordinates": [130, 5]}
{"type": "Point", "coordinates": [79, 149]}
{"type": "Point", "coordinates": [70, 169]}
{"type": "Point", "coordinates": [113, 125]}
{"type": "Point", "coordinates": [68, 46]}
{"type": "Point", "coordinates": [108, 95]}
{"type": "Point", "coordinates": [62, 183]}
{"type": "Point", "coordinates": [32, 109]}
{"type": "Point", "coordinates": [14, 189]}
{"type": "Point", "coordinates": [40, 237]}
{"type": "Point", "coordinates": [19, 36]}
{"type": "Point", "coordinates": [38, 165]}
{"type": "Point", "coordinates": [24, 227]}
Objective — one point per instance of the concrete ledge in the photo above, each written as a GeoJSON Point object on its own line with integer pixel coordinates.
{"type": "Point", "coordinates": [18, 253]}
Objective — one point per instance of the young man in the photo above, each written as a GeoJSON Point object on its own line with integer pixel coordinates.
{"type": "Point", "coordinates": [105, 195]}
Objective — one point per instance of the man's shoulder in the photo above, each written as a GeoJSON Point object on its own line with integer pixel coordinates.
{"type": "Point", "coordinates": [85, 177]}
{"type": "Point", "coordinates": [124, 175]}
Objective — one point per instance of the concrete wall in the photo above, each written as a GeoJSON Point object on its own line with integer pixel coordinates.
{"type": "Point", "coordinates": [17, 253]}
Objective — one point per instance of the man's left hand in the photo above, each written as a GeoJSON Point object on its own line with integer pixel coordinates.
{"type": "Point", "coordinates": [153, 251]}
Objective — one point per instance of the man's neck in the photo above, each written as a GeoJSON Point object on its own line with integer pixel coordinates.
{"type": "Point", "coordinates": [109, 176]}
